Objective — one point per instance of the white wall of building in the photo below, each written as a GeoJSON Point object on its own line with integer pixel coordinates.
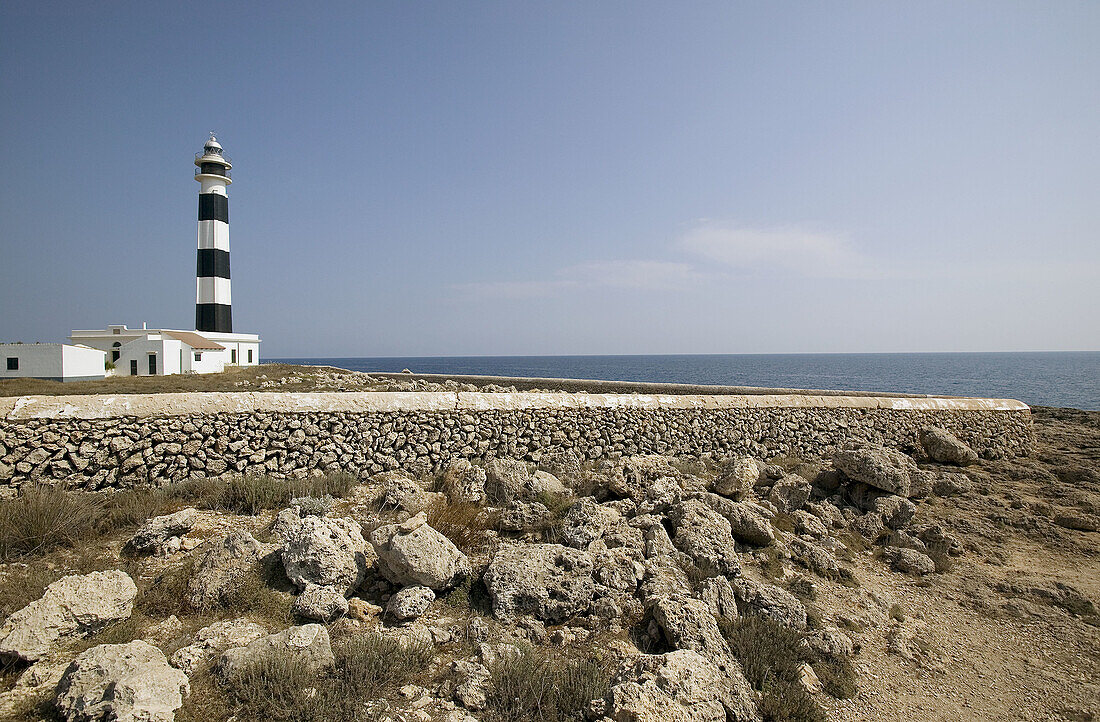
{"type": "Point", "coordinates": [173, 356]}
{"type": "Point", "coordinates": [54, 361]}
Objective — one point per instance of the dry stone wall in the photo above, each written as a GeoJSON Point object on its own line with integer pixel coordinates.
{"type": "Point", "coordinates": [97, 442]}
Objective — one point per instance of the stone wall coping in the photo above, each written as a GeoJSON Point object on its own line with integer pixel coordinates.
{"type": "Point", "coordinates": [184, 404]}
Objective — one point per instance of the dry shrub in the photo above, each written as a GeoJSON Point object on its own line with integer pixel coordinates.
{"type": "Point", "coordinates": [252, 494]}
{"type": "Point", "coordinates": [537, 685]}
{"type": "Point", "coordinates": [464, 524]}
{"type": "Point", "coordinates": [785, 701]}
{"type": "Point", "coordinates": [368, 667]}
{"type": "Point", "coordinates": [21, 585]}
{"type": "Point", "coordinates": [42, 519]}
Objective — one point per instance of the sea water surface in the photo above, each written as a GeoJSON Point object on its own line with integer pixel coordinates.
{"type": "Point", "coordinates": [1046, 379]}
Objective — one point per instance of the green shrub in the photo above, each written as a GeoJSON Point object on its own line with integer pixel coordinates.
{"type": "Point", "coordinates": [766, 649]}
{"type": "Point", "coordinates": [784, 701]}
{"type": "Point", "coordinates": [536, 685]}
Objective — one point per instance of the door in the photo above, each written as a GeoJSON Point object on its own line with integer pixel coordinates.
{"type": "Point", "coordinates": [152, 364]}
{"type": "Point", "coordinates": [133, 367]}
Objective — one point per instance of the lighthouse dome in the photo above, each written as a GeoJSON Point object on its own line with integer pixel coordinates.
{"type": "Point", "coordinates": [213, 146]}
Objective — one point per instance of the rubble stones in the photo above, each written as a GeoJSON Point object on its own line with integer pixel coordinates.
{"type": "Point", "coordinates": [223, 560]}
{"type": "Point", "coordinates": [909, 561]}
{"type": "Point", "coordinates": [736, 477]}
{"type": "Point", "coordinates": [770, 601]}
{"type": "Point", "coordinates": [704, 535]}
{"type": "Point", "coordinates": [213, 640]}
{"type": "Point", "coordinates": [155, 533]}
{"type": "Point", "coordinates": [548, 581]}
{"type": "Point", "coordinates": [122, 682]}
{"type": "Point", "coordinates": [323, 604]}
{"type": "Point", "coordinates": [308, 646]}
{"type": "Point", "coordinates": [73, 606]}
{"type": "Point", "coordinates": [327, 552]}
{"type": "Point", "coordinates": [585, 522]}
{"type": "Point", "coordinates": [882, 468]}
{"type": "Point", "coordinates": [413, 553]}
{"type": "Point", "coordinates": [789, 493]}
{"type": "Point", "coordinates": [409, 603]}
{"type": "Point", "coordinates": [464, 483]}
{"type": "Point", "coordinates": [688, 624]}
{"type": "Point", "coordinates": [943, 446]}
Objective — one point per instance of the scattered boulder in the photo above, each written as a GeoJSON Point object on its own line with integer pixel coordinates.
{"type": "Point", "coordinates": [154, 534]}
{"type": "Point", "coordinates": [308, 645]}
{"type": "Point", "coordinates": [410, 603]}
{"type": "Point", "coordinates": [549, 581]}
{"type": "Point", "coordinates": [909, 561]}
{"type": "Point", "coordinates": [748, 524]}
{"type": "Point", "coordinates": [472, 684]}
{"type": "Point", "coordinates": [506, 480]}
{"type": "Point", "coordinates": [563, 464]}
{"type": "Point", "coordinates": [213, 640]}
{"type": "Point", "coordinates": [323, 604]}
{"type": "Point", "coordinates": [413, 553]}
{"type": "Point", "coordinates": [736, 477]}
{"type": "Point", "coordinates": [831, 642]}
{"type": "Point", "coordinates": [943, 446]}
{"type": "Point", "coordinates": [286, 521]}
{"type": "Point", "coordinates": [585, 522]}
{"type": "Point", "coordinates": [123, 682]}
{"type": "Point", "coordinates": [789, 493]}
{"type": "Point", "coordinates": [869, 526]}
{"type": "Point", "coordinates": [687, 623]}
{"type": "Point", "coordinates": [704, 535]}
{"type": "Point", "coordinates": [400, 491]}
{"type": "Point", "coordinates": [681, 686]}
{"type": "Point", "coordinates": [769, 601]}
{"type": "Point", "coordinates": [882, 468]}
{"type": "Point", "coordinates": [327, 552]}
{"type": "Point", "coordinates": [523, 516]}
{"type": "Point", "coordinates": [464, 483]}
{"type": "Point", "coordinates": [73, 606]}
{"type": "Point", "coordinates": [223, 560]}
{"type": "Point", "coordinates": [896, 511]}
{"type": "Point", "coordinates": [1077, 520]}
{"type": "Point", "coordinates": [950, 483]}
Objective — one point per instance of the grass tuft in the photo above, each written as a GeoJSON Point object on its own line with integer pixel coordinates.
{"type": "Point", "coordinates": [42, 519]}
{"type": "Point", "coordinates": [533, 686]}
{"type": "Point", "coordinates": [465, 524]}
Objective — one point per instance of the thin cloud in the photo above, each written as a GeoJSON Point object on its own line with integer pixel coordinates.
{"type": "Point", "coordinates": [792, 250]}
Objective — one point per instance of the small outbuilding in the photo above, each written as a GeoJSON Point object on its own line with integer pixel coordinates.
{"type": "Point", "coordinates": [52, 361]}
{"type": "Point", "coordinates": [161, 351]}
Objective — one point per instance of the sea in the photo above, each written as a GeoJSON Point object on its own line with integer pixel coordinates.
{"type": "Point", "coordinates": [1069, 379]}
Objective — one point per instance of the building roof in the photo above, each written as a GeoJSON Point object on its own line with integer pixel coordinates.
{"type": "Point", "coordinates": [194, 340]}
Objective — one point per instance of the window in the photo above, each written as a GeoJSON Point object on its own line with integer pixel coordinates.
{"type": "Point", "coordinates": [13, 363]}
{"type": "Point", "coordinates": [232, 355]}
{"type": "Point", "coordinates": [198, 355]}
{"type": "Point", "coordinates": [133, 367]}
{"type": "Point", "coordinates": [152, 364]}
{"type": "Point", "coordinates": [115, 353]}
{"type": "Point", "coordinates": [249, 355]}
{"type": "Point", "coordinates": [117, 330]}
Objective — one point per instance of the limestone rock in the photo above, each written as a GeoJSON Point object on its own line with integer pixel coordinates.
{"type": "Point", "coordinates": [736, 477]}
{"type": "Point", "coordinates": [896, 511]}
{"type": "Point", "coordinates": [223, 560]}
{"type": "Point", "coordinates": [286, 521]}
{"type": "Point", "coordinates": [464, 483]}
{"type": "Point", "coordinates": [73, 606]}
{"type": "Point", "coordinates": [308, 645]}
{"type": "Point", "coordinates": [943, 446]}
{"type": "Point", "coordinates": [213, 640]}
{"type": "Point", "coordinates": [749, 525]}
{"type": "Point", "coordinates": [410, 603]}
{"type": "Point", "coordinates": [523, 516]}
{"type": "Point", "coordinates": [688, 624]}
{"type": "Point", "coordinates": [717, 594]}
{"type": "Point", "coordinates": [704, 535]}
{"type": "Point", "coordinates": [681, 686]}
{"type": "Point", "coordinates": [789, 493]}
{"type": "Point", "coordinates": [121, 682]}
{"type": "Point", "coordinates": [473, 682]}
{"type": "Point", "coordinates": [585, 522]}
{"type": "Point", "coordinates": [882, 468]}
{"type": "Point", "coordinates": [869, 526]}
{"type": "Point", "coordinates": [549, 581]}
{"type": "Point", "coordinates": [909, 561]}
{"type": "Point", "coordinates": [323, 604]}
{"type": "Point", "coordinates": [155, 533]}
{"type": "Point", "coordinates": [413, 553]}
{"type": "Point", "coordinates": [951, 484]}
{"type": "Point", "coordinates": [770, 601]}
{"type": "Point", "coordinates": [327, 552]}
{"type": "Point", "coordinates": [831, 642]}
{"type": "Point", "coordinates": [506, 480]}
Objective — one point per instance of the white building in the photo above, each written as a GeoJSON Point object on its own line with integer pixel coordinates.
{"type": "Point", "coordinates": [52, 361]}
{"type": "Point", "coordinates": [213, 345]}
{"type": "Point", "coordinates": [162, 351]}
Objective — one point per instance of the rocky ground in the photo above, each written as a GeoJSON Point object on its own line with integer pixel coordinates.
{"type": "Point", "coordinates": [266, 377]}
{"type": "Point", "coordinates": [872, 585]}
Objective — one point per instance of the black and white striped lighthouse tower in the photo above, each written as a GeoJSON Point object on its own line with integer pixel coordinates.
{"type": "Point", "coordinates": [213, 303]}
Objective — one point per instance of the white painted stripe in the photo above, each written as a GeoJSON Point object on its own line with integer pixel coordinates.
{"type": "Point", "coordinates": [212, 290]}
{"type": "Point", "coordinates": [214, 234]}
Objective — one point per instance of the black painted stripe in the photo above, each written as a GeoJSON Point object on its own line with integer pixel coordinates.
{"type": "Point", "coordinates": [216, 317]}
{"type": "Point", "coordinates": [213, 207]}
{"type": "Point", "coordinates": [213, 262]}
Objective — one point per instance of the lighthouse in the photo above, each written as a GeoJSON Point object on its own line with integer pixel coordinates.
{"type": "Point", "coordinates": [213, 303]}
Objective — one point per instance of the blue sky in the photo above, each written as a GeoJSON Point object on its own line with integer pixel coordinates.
{"type": "Point", "coordinates": [562, 177]}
